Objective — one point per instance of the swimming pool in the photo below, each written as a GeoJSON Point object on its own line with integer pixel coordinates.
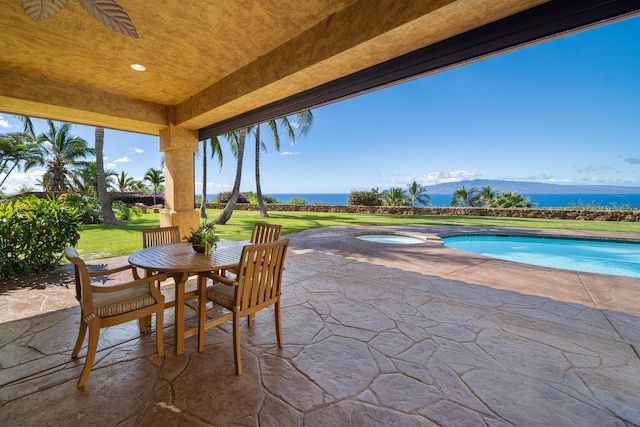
{"type": "Point", "coordinates": [593, 256]}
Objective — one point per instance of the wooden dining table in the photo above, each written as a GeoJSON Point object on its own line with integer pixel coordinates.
{"type": "Point", "coordinates": [179, 261]}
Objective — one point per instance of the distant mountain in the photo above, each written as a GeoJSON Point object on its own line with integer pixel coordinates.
{"type": "Point", "coordinates": [531, 187]}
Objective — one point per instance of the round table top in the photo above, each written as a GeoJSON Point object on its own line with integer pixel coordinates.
{"type": "Point", "coordinates": [181, 257]}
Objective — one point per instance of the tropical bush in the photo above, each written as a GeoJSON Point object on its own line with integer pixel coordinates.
{"type": "Point", "coordinates": [124, 212]}
{"type": "Point", "coordinates": [296, 201]}
{"type": "Point", "coordinates": [224, 196]}
{"type": "Point", "coordinates": [511, 199]}
{"type": "Point", "coordinates": [34, 232]}
{"type": "Point", "coordinates": [269, 199]}
{"type": "Point", "coordinates": [364, 198]}
{"type": "Point", "coordinates": [88, 208]}
{"type": "Point", "coordinates": [252, 197]}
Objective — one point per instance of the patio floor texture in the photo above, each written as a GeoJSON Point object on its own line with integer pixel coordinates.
{"type": "Point", "coordinates": [374, 335]}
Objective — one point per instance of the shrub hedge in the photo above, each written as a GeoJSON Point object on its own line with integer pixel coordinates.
{"type": "Point", "coordinates": [34, 232]}
{"type": "Point", "coordinates": [364, 198]}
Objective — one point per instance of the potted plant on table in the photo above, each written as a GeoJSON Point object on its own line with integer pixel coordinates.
{"type": "Point", "coordinates": [204, 239]}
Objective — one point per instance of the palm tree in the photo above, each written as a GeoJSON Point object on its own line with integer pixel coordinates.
{"type": "Point", "coordinates": [28, 127]}
{"type": "Point", "coordinates": [464, 197]}
{"type": "Point", "coordinates": [108, 217]}
{"type": "Point", "coordinates": [486, 195]}
{"type": "Point", "coordinates": [15, 150]}
{"type": "Point", "coordinates": [395, 196]}
{"type": "Point", "coordinates": [216, 150]}
{"type": "Point", "coordinates": [156, 178]}
{"type": "Point", "coordinates": [124, 183]}
{"type": "Point", "coordinates": [304, 120]}
{"type": "Point", "coordinates": [84, 179]}
{"type": "Point", "coordinates": [237, 140]}
{"type": "Point", "coordinates": [418, 193]}
{"type": "Point", "coordinates": [61, 152]}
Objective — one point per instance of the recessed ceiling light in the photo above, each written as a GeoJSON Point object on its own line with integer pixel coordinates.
{"type": "Point", "coordinates": [138, 67]}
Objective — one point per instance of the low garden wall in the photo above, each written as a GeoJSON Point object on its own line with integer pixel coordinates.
{"type": "Point", "coordinates": [555, 213]}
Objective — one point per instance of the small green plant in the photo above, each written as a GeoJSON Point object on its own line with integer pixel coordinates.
{"type": "Point", "coordinates": [205, 235]}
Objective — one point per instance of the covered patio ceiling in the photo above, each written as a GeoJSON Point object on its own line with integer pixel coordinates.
{"type": "Point", "coordinates": [218, 65]}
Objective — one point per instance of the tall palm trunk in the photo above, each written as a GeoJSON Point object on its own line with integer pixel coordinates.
{"type": "Point", "coordinates": [263, 210]}
{"type": "Point", "coordinates": [108, 217]}
{"type": "Point", "coordinates": [225, 215]}
{"type": "Point", "coordinates": [203, 203]}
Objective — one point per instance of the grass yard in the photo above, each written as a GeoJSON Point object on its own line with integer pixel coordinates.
{"type": "Point", "coordinates": [99, 242]}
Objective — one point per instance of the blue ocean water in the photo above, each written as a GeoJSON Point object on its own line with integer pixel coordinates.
{"type": "Point", "coordinates": [541, 200]}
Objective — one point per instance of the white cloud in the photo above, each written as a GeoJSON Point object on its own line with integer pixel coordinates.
{"type": "Point", "coordinates": [110, 165]}
{"type": "Point", "coordinates": [434, 178]}
{"type": "Point", "coordinates": [124, 159]}
{"type": "Point", "coordinates": [22, 179]}
{"type": "Point", "coordinates": [139, 150]}
{"type": "Point", "coordinates": [4, 123]}
{"type": "Point", "coordinates": [290, 153]}
{"type": "Point", "coordinates": [536, 178]}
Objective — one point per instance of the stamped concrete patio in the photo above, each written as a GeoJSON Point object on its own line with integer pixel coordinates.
{"type": "Point", "coordinates": [374, 335]}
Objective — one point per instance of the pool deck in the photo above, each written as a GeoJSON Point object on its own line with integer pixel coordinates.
{"type": "Point", "coordinates": [374, 335]}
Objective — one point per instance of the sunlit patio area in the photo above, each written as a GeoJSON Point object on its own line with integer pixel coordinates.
{"type": "Point", "coordinates": [374, 334]}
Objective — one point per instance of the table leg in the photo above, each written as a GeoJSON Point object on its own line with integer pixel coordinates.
{"type": "Point", "coordinates": [178, 335]}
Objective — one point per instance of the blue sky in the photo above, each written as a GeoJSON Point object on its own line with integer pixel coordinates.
{"type": "Point", "coordinates": [566, 111]}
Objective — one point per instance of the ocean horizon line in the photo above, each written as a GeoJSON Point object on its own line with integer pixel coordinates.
{"type": "Point", "coordinates": [540, 200]}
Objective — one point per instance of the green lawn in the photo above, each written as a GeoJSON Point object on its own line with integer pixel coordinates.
{"type": "Point", "coordinates": [103, 243]}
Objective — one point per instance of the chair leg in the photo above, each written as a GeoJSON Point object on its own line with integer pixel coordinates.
{"type": "Point", "coordinates": [94, 332]}
{"type": "Point", "coordinates": [202, 311]}
{"type": "Point", "coordinates": [276, 310]}
{"type": "Point", "coordinates": [81, 332]}
{"type": "Point", "coordinates": [142, 324]}
{"type": "Point", "coordinates": [159, 331]}
{"type": "Point", "coordinates": [236, 343]}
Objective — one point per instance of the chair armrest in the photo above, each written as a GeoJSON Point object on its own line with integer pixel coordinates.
{"type": "Point", "coordinates": [123, 286]}
{"type": "Point", "coordinates": [221, 279]}
{"type": "Point", "coordinates": [112, 271]}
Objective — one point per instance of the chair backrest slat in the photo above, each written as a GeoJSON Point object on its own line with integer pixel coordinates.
{"type": "Point", "coordinates": [265, 233]}
{"type": "Point", "coordinates": [82, 280]}
{"type": "Point", "coordinates": [260, 273]}
{"type": "Point", "coordinates": [160, 236]}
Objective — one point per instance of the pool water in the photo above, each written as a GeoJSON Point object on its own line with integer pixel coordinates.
{"type": "Point", "coordinates": [593, 256]}
{"type": "Point", "coordinates": [395, 239]}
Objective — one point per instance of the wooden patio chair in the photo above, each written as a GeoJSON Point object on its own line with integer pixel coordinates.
{"type": "Point", "coordinates": [262, 232]}
{"type": "Point", "coordinates": [103, 306]}
{"type": "Point", "coordinates": [164, 236]}
{"type": "Point", "coordinates": [256, 286]}
{"type": "Point", "coordinates": [160, 236]}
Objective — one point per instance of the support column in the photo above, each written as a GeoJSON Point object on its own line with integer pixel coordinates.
{"type": "Point", "coordinates": [179, 146]}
